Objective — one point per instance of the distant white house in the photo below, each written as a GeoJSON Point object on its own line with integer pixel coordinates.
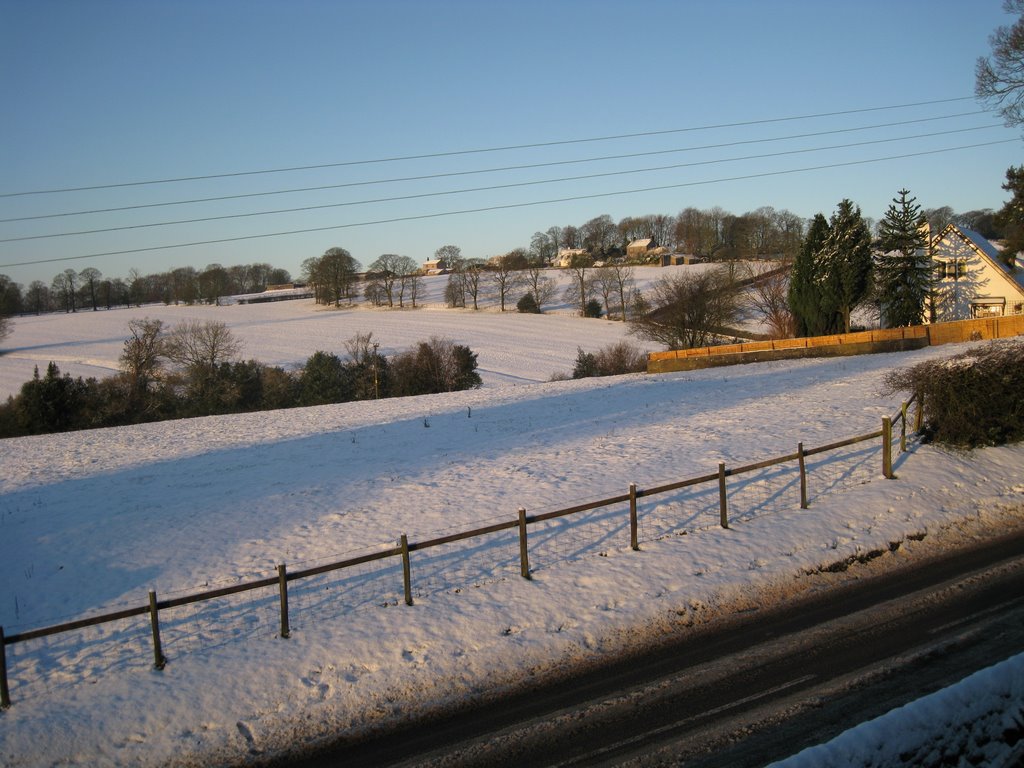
{"type": "Point", "coordinates": [566, 255]}
{"type": "Point", "coordinates": [971, 279]}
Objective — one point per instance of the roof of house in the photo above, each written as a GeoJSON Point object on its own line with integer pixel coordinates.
{"type": "Point", "coordinates": [645, 243]}
{"type": "Point", "coordinates": [986, 248]}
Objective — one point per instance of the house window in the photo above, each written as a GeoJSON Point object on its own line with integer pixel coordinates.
{"type": "Point", "coordinates": [987, 309]}
{"type": "Point", "coordinates": [953, 269]}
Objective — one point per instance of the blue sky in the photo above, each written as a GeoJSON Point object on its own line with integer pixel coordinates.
{"type": "Point", "coordinates": [109, 92]}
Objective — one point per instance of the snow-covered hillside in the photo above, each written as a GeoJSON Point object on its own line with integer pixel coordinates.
{"type": "Point", "coordinates": [512, 347]}
{"type": "Point", "coordinates": [91, 521]}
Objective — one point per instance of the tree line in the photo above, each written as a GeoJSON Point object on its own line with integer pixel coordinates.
{"type": "Point", "coordinates": [393, 280]}
{"type": "Point", "coordinates": [89, 289]}
{"type": "Point", "coordinates": [827, 284]}
{"type": "Point", "coordinates": [195, 369]}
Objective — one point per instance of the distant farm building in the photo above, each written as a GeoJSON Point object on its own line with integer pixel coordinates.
{"type": "Point", "coordinates": [284, 292]}
{"type": "Point", "coordinates": [675, 259]}
{"type": "Point", "coordinates": [435, 267]}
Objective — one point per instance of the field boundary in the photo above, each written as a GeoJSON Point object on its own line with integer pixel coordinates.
{"type": "Point", "coordinates": [837, 345]}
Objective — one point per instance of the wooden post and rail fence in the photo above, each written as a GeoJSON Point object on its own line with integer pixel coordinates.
{"type": "Point", "coordinates": [405, 548]}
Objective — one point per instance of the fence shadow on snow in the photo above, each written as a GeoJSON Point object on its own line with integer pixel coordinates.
{"type": "Point", "coordinates": [172, 625]}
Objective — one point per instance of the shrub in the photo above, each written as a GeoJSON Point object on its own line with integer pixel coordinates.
{"type": "Point", "coordinates": [324, 380]}
{"type": "Point", "coordinates": [620, 358]}
{"type": "Point", "coordinates": [972, 399]}
{"type": "Point", "coordinates": [434, 366]}
{"type": "Point", "coordinates": [593, 309]}
{"type": "Point", "coordinates": [585, 366]}
{"type": "Point", "coordinates": [612, 360]}
{"type": "Point", "coordinates": [528, 305]}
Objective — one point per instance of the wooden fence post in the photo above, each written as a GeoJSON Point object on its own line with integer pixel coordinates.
{"type": "Point", "coordinates": [903, 428]}
{"type": "Point", "coordinates": [919, 413]}
{"type": "Point", "coordinates": [803, 475]}
{"type": "Point", "coordinates": [633, 539]}
{"type": "Point", "coordinates": [723, 503]}
{"type": "Point", "coordinates": [406, 570]}
{"type": "Point", "coordinates": [159, 660]}
{"type": "Point", "coordinates": [282, 586]}
{"type": "Point", "coordinates": [887, 448]}
{"type": "Point", "coordinates": [5, 692]}
{"type": "Point", "coordinates": [524, 554]}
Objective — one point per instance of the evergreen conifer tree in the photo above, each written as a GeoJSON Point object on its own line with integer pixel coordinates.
{"type": "Point", "coordinates": [805, 294]}
{"type": "Point", "coordinates": [904, 266]}
{"type": "Point", "coordinates": [1011, 216]}
{"type": "Point", "coordinates": [847, 265]}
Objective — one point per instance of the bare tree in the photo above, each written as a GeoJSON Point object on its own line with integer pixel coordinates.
{"type": "Point", "coordinates": [213, 283]}
{"type": "Point", "coordinates": [768, 296]}
{"type": "Point", "coordinates": [661, 228]}
{"type": "Point", "coordinates": [603, 279]}
{"type": "Point", "coordinates": [448, 253]}
{"type": "Point", "coordinates": [65, 285]}
{"type": "Point", "coordinates": [385, 272]}
{"type": "Point", "coordinates": [183, 284]}
{"type": "Point", "coordinates": [408, 274]}
{"type": "Point", "coordinates": [600, 236]}
{"type": "Point", "coordinates": [201, 345]}
{"type": "Point", "coordinates": [540, 284]}
{"type": "Point", "coordinates": [615, 283]}
{"type": "Point", "coordinates": [543, 248]}
{"type": "Point", "coordinates": [10, 303]}
{"type": "Point", "coordinates": [505, 276]}
{"type": "Point", "coordinates": [333, 276]}
{"type": "Point", "coordinates": [89, 279]}
{"type": "Point", "coordinates": [473, 276]}
{"type": "Point", "coordinates": [999, 80]}
{"type": "Point", "coordinates": [142, 352]}
{"type": "Point", "coordinates": [622, 276]}
{"type": "Point", "coordinates": [455, 291]}
{"type": "Point", "coordinates": [578, 290]}
{"type": "Point", "coordinates": [689, 310]}
{"type": "Point", "coordinates": [38, 297]}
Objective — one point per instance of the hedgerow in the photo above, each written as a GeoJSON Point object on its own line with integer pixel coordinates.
{"type": "Point", "coordinates": [972, 399]}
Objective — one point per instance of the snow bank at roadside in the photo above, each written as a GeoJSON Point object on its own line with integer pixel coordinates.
{"type": "Point", "coordinates": [979, 721]}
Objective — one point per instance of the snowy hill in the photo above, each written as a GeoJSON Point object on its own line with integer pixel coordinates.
{"type": "Point", "coordinates": [91, 521]}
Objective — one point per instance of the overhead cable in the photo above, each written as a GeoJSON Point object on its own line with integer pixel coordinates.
{"type": "Point", "coordinates": [454, 153]}
{"type": "Point", "coordinates": [506, 206]}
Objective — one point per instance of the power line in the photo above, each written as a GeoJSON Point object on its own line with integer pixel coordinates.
{"type": "Point", "coordinates": [454, 153]}
{"type": "Point", "coordinates": [506, 206]}
{"type": "Point", "coordinates": [499, 169]}
{"type": "Point", "coordinates": [489, 188]}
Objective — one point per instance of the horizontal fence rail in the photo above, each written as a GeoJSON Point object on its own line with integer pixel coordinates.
{"type": "Point", "coordinates": [403, 550]}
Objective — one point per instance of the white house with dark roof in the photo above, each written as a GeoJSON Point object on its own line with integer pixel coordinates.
{"type": "Point", "coordinates": [971, 279]}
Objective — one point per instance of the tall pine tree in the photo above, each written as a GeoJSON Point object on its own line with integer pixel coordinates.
{"type": "Point", "coordinates": [805, 292]}
{"type": "Point", "coordinates": [832, 272]}
{"type": "Point", "coordinates": [904, 267]}
{"type": "Point", "coordinates": [847, 265]}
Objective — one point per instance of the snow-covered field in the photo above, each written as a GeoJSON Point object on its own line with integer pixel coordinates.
{"type": "Point", "coordinates": [91, 521]}
{"type": "Point", "coordinates": [512, 347]}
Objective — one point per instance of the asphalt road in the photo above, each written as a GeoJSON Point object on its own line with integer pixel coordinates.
{"type": "Point", "coordinates": [759, 688]}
